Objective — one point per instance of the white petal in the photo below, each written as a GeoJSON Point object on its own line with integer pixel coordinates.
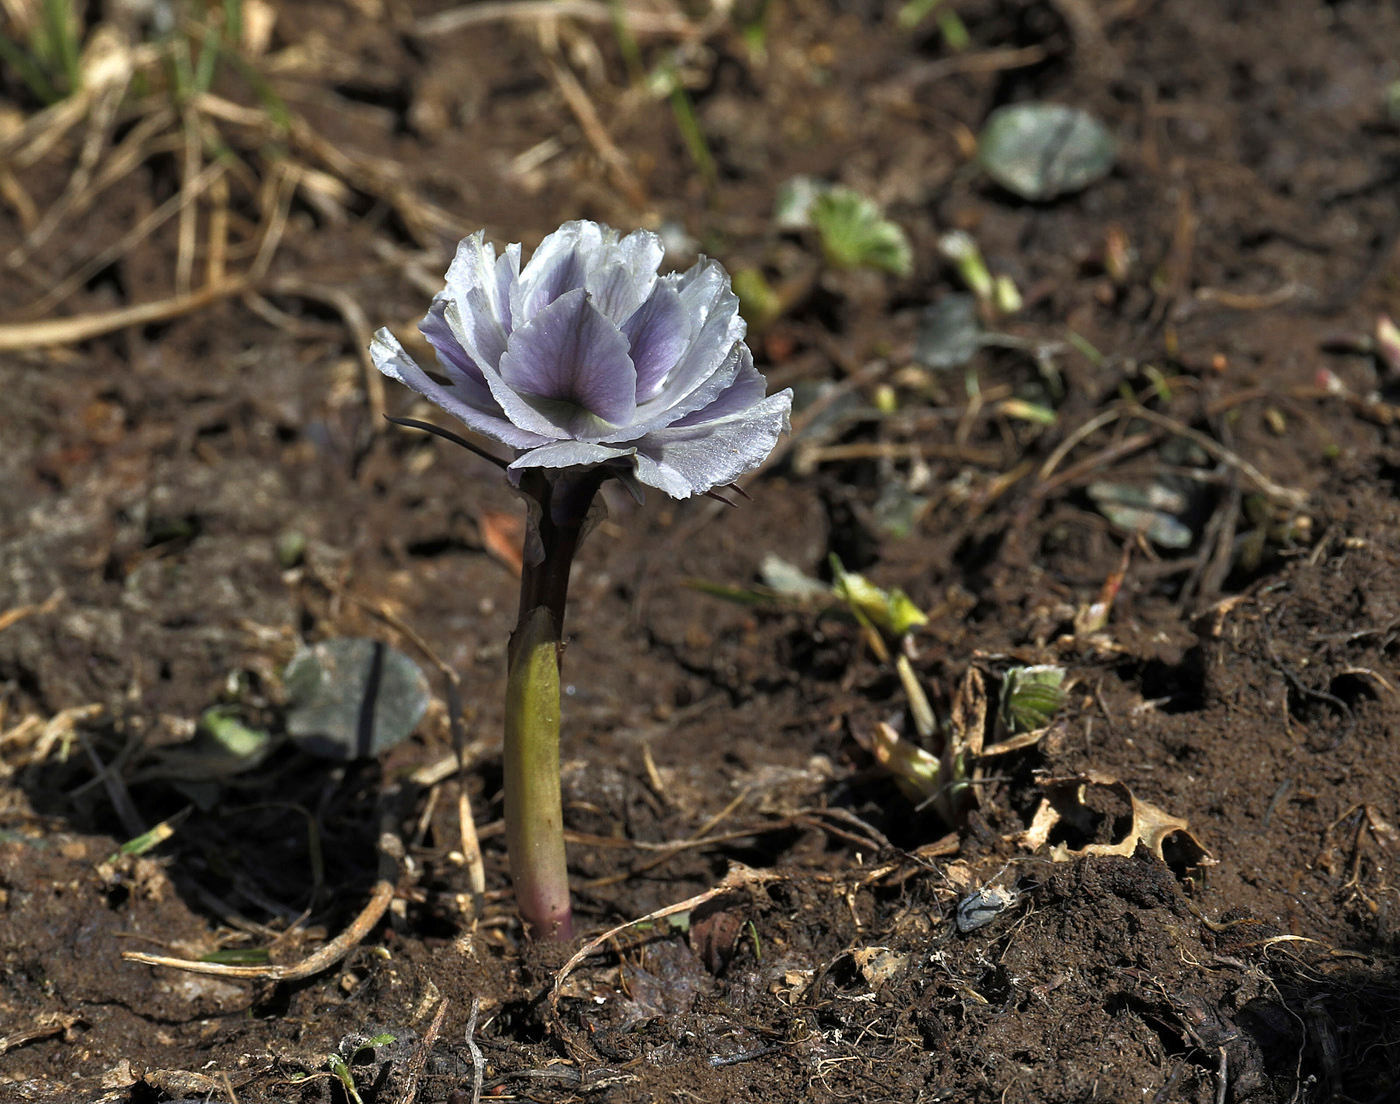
{"type": "Point", "coordinates": [454, 360]}
{"type": "Point", "coordinates": [568, 454]}
{"type": "Point", "coordinates": [687, 460]}
{"type": "Point", "coordinates": [715, 325]}
{"type": "Point", "coordinates": [560, 264]}
{"type": "Point", "coordinates": [571, 365]}
{"type": "Point", "coordinates": [391, 359]}
{"type": "Point", "coordinates": [624, 274]}
{"type": "Point", "coordinates": [659, 413]}
{"type": "Point", "coordinates": [659, 332]}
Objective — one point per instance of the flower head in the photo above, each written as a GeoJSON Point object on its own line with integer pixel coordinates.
{"type": "Point", "coordinates": [586, 356]}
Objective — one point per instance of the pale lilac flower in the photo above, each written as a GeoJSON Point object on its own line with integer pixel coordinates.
{"type": "Point", "coordinates": [586, 356]}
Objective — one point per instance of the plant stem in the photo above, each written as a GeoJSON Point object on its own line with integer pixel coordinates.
{"type": "Point", "coordinates": [533, 806]}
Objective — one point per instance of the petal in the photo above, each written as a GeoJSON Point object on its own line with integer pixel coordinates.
{"type": "Point", "coordinates": [658, 333]}
{"type": "Point", "coordinates": [658, 413]}
{"type": "Point", "coordinates": [560, 264]}
{"type": "Point", "coordinates": [507, 276]}
{"type": "Point", "coordinates": [643, 252]}
{"type": "Point", "coordinates": [568, 454]}
{"type": "Point", "coordinates": [391, 359]}
{"type": "Point", "coordinates": [572, 366]}
{"type": "Point", "coordinates": [691, 459]}
{"type": "Point", "coordinates": [455, 360]}
{"type": "Point", "coordinates": [663, 477]}
{"type": "Point", "coordinates": [476, 266]}
{"type": "Point", "coordinates": [746, 390]}
{"type": "Point", "coordinates": [613, 292]}
{"type": "Point", "coordinates": [479, 283]}
{"type": "Point", "coordinates": [715, 324]}
{"type": "Point", "coordinates": [479, 287]}
{"type": "Point", "coordinates": [474, 327]}
{"type": "Point", "coordinates": [623, 281]}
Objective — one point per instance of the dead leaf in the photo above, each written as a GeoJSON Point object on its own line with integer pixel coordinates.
{"type": "Point", "coordinates": [714, 935]}
{"type": "Point", "coordinates": [878, 964]}
{"type": "Point", "coordinates": [970, 714]}
{"type": "Point", "coordinates": [1066, 804]}
{"type": "Point", "coordinates": [503, 536]}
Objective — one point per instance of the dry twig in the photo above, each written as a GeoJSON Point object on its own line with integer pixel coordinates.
{"type": "Point", "coordinates": [739, 877]}
{"type": "Point", "coordinates": [390, 856]}
{"type": "Point", "coordinates": [585, 11]}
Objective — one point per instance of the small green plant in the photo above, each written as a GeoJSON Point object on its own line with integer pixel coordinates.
{"type": "Point", "coordinates": [666, 81]}
{"type": "Point", "coordinates": [950, 25]}
{"type": "Point", "coordinates": [44, 47]}
{"type": "Point", "coordinates": [1030, 697]}
{"type": "Point", "coordinates": [341, 1061]}
{"type": "Point", "coordinates": [148, 840]}
{"type": "Point", "coordinates": [855, 233]}
{"type": "Point", "coordinates": [995, 294]}
{"type": "Point", "coordinates": [890, 611]}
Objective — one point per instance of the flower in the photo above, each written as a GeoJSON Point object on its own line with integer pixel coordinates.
{"type": "Point", "coordinates": [586, 356]}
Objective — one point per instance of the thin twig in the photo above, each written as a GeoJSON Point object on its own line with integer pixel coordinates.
{"type": "Point", "coordinates": [597, 134]}
{"type": "Point", "coordinates": [478, 1062]}
{"type": "Point", "coordinates": [1065, 447]}
{"type": "Point", "coordinates": [215, 269]}
{"type": "Point", "coordinates": [117, 793]}
{"type": "Point", "coordinates": [101, 122]}
{"type": "Point", "coordinates": [585, 11]}
{"type": "Point", "coordinates": [187, 235]}
{"type": "Point", "coordinates": [19, 613]}
{"type": "Point", "coordinates": [144, 139]}
{"type": "Point", "coordinates": [123, 246]}
{"type": "Point", "coordinates": [739, 877]}
{"type": "Point", "coordinates": [49, 1024]}
{"type": "Point", "coordinates": [989, 61]}
{"type": "Point", "coordinates": [326, 957]}
{"type": "Point", "coordinates": [413, 1070]}
{"type": "Point", "coordinates": [1219, 452]}
{"type": "Point", "coordinates": [276, 203]}
{"type": "Point", "coordinates": [67, 331]}
{"type": "Point", "coordinates": [390, 853]}
{"type": "Point", "coordinates": [471, 848]}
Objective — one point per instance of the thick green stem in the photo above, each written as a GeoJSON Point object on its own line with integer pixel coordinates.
{"type": "Point", "coordinates": [533, 807]}
{"type": "Point", "coordinates": [534, 810]}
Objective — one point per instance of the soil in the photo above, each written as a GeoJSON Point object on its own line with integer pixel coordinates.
{"type": "Point", "coordinates": [187, 495]}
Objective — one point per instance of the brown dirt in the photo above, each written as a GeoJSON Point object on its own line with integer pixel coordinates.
{"type": "Point", "coordinates": [1249, 684]}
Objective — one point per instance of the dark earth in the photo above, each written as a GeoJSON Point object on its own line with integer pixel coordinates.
{"type": "Point", "coordinates": [196, 478]}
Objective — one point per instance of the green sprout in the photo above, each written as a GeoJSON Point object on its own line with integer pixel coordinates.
{"type": "Point", "coordinates": [855, 233]}
{"type": "Point", "coordinates": [46, 53]}
{"type": "Point", "coordinates": [1030, 697]}
{"type": "Point", "coordinates": [148, 840]}
{"type": "Point", "coordinates": [950, 25]}
{"type": "Point", "coordinates": [667, 81]}
{"type": "Point", "coordinates": [340, 1067]}
{"type": "Point", "coordinates": [996, 295]}
{"type": "Point", "coordinates": [851, 233]}
{"type": "Point", "coordinates": [759, 301]}
{"type": "Point", "coordinates": [889, 610]}
{"type": "Point", "coordinates": [664, 82]}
